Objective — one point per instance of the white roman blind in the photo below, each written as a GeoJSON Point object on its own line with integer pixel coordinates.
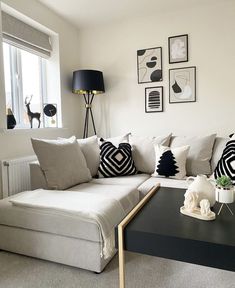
{"type": "Point", "coordinates": [24, 36]}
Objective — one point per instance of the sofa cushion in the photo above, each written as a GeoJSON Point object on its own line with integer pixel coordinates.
{"type": "Point", "coordinates": [226, 164]}
{"type": "Point", "coordinates": [218, 149]}
{"type": "Point", "coordinates": [90, 149]}
{"type": "Point", "coordinates": [170, 162]}
{"type": "Point", "coordinates": [116, 161]}
{"type": "Point", "coordinates": [132, 180]}
{"type": "Point", "coordinates": [58, 223]}
{"type": "Point", "coordinates": [62, 162]}
{"type": "Point", "coordinates": [200, 152]}
{"type": "Point", "coordinates": [143, 151]}
{"type": "Point", "coordinates": [117, 140]}
{"type": "Point", "coordinates": [164, 182]}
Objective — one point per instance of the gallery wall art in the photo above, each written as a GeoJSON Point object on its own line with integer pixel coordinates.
{"type": "Point", "coordinates": [153, 99]}
{"type": "Point", "coordinates": [178, 49]}
{"type": "Point", "coordinates": [182, 80]}
{"type": "Point", "coordinates": [149, 65]}
{"type": "Point", "coordinates": [182, 85]}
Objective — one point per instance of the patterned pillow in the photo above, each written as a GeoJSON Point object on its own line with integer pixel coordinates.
{"type": "Point", "coordinates": [170, 162]}
{"type": "Point", "coordinates": [116, 161]}
{"type": "Point", "coordinates": [226, 164]}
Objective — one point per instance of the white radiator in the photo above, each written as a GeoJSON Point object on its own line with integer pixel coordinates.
{"type": "Point", "coordinates": [16, 175]}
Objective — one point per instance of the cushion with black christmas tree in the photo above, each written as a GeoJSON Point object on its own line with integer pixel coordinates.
{"type": "Point", "coordinates": [226, 164]}
{"type": "Point", "coordinates": [170, 162]}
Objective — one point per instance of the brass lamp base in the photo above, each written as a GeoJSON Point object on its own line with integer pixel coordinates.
{"type": "Point", "coordinates": [88, 97]}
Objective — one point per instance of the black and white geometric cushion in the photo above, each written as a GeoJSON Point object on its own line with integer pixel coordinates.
{"type": "Point", "coordinates": [226, 164]}
{"type": "Point", "coordinates": [116, 161]}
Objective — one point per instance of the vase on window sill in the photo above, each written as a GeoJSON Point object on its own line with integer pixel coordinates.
{"type": "Point", "coordinates": [11, 121]}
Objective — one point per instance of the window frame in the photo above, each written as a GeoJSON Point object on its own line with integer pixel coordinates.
{"type": "Point", "coordinates": [18, 105]}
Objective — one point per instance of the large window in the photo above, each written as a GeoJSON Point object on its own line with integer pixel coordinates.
{"type": "Point", "coordinates": [25, 83]}
{"type": "Point", "coordinates": [31, 71]}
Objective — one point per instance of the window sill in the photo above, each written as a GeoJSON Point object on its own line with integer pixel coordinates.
{"type": "Point", "coordinates": [29, 131]}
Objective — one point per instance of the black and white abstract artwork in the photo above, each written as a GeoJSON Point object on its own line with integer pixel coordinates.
{"type": "Point", "coordinates": [149, 65]}
{"type": "Point", "coordinates": [178, 48]}
{"type": "Point", "coordinates": [154, 99]}
{"type": "Point", "coordinates": [182, 85]}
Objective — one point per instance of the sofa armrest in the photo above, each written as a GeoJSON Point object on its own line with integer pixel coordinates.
{"type": "Point", "coordinates": [37, 177]}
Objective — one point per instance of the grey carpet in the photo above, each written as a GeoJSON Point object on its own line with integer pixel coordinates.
{"type": "Point", "coordinates": [141, 271]}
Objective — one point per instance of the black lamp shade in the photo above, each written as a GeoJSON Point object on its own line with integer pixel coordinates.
{"type": "Point", "coordinates": [88, 80]}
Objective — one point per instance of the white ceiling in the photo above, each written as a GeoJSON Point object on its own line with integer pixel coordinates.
{"type": "Point", "coordinates": [83, 13]}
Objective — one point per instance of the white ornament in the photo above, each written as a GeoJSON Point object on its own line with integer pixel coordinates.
{"type": "Point", "coordinates": [203, 186]}
{"type": "Point", "coordinates": [190, 201]}
{"type": "Point", "coordinates": [205, 207]}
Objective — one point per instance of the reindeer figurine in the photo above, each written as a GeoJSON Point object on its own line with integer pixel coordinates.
{"type": "Point", "coordinates": [32, 115]}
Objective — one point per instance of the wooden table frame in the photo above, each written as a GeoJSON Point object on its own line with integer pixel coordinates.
{"type": "Point", "coordinates": [121, 228]}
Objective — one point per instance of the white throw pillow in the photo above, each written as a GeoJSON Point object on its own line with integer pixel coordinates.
{"type": "Point", "coordinates": [200, 152]}
{"type": "Point", "coordinates": [170, 162]}
{"type": "Point", "coordinates": [62, 162]}
{"type": "Point", "coordinates": [91, 151]}
{"type": "Point", "coordinates": [117, 140]}
{"type": "Point", "coordinates": [143, 151]}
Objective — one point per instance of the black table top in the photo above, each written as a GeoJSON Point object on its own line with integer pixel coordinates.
{"type": "Point", "coordinates": [161, 216]}
{"type": "Point", "coordinates": [159, 229]}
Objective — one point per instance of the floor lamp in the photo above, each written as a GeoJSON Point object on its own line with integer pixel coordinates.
{"type": "Point", "coordinates": [88, 83]}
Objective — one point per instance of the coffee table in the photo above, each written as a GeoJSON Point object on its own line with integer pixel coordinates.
{"type": "Point", "coordinates": [156, 227]}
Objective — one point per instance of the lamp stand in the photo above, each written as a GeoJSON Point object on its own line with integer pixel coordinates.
{"type": "Point", "coordinates": [88, 97]}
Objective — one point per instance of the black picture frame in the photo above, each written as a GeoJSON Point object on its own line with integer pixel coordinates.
{"type": "Point", "coordinates": [182, 82]}
{"type": "Point", "coordinates": [149, 65]}
{"type": "Point", "coordinates": [180, 42]}
{"type": "Point", "coordinates": [155, 104]}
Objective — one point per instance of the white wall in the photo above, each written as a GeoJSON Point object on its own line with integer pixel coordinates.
{"type": "Point", "coordinates": [112, 49]}
{"type": "Point", "coordinates": [17, 143]}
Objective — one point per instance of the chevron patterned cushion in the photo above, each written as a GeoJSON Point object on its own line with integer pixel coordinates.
{"type": "Point", "coordinates": [226, 164]}
{"type": "Point", "coordinates": [116, 161]}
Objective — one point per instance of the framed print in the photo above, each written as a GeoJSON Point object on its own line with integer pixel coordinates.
{"type": "Point", "coordinates": [182, 85]}
{"type": "Point", "coordinates": [178, 48]}
{"type": "Point", "coordinates": [149, 65]}
{"type": "Point", "coordinates": [153, 99]}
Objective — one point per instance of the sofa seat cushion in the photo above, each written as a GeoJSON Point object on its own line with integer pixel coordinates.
{"type": "Point", "coordinates": [66, 224]}
{"type": "Point", "coordinates": [164, 182]}
{"type": "Point", "coordinates": [131, 180]}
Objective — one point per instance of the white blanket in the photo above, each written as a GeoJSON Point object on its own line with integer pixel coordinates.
{"type": "Point", "coordinates": [103, 211]}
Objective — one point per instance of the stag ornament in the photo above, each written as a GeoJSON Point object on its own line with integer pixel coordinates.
{"type": "Point", "coordinates": [32, 115]}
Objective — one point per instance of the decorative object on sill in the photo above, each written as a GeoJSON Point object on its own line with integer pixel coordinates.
{"type": "Point", "coordinates": [178, 49]}
{"type": "Point", "coordinates": [88, 83]}
{"type": "Point", "coordinates": [149, 65]}
{"type": "Point", "coordinates": [154, 99]}
{"type": "Point", "coordinates": [224, 192]}
{"type": "Point", "coordinates": [182, 85]}
{"type": "Point", "coordinates": [32, 115]}
{"type": "Point", "coordinates": [203, 186]}
{"type": "Point", "coordinates": [11, 121]}
{"type": "Point", "coordinates": [50, 115]}
{"type": "Point", "coordinates": [191, 208]}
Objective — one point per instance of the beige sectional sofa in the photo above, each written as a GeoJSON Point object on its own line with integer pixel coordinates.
{"type": "Point", "coordinates": [76, 242]}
